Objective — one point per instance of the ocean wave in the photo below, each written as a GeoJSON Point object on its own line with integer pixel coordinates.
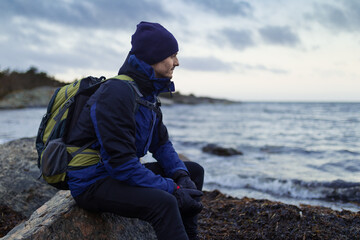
{"type": "Point", "coordinates": [349, 165]}
{"type": "Point", "coordinates": [337, 190]}
{"type": "Point", "coordinates": [345, 151]}
{"type": "Point", "coordinates": [353, 120]}
{"type": "Point", "coordinates": [197, 144]}
{"type": "Point", "coordinates": [270, 149]}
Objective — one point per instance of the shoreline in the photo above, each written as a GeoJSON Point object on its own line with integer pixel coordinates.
{"type": "Point", "coordinates": [40, 97]}
{"type": "Point", "coordinates": [334, 205]}
{"type": "Point", "coordinates": [331, 204]}
{"type": "Point", "coordinates": [223, 216]}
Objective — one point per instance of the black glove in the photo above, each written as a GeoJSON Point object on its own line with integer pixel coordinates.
{"type": "Point", "coordinates": [183, 179]}
{"type": "Point", "coordinates": [188, 205]}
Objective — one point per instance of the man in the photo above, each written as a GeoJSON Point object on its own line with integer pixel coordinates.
{"type": "Point", "coordinates": [165, 193]}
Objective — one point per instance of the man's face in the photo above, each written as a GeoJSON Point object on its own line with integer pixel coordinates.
{"type": "Point", "coordinates": [165, 68]}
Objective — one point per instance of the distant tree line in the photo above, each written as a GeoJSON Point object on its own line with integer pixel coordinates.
{"type": "Point", "coordinates": [11, 81]}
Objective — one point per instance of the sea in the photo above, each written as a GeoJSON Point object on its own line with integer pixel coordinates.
{"type": "Point", "coordinates": [295, 153]}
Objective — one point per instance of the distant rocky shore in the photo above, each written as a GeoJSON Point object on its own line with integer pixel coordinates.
{"type": "Point", "coordinates": [178, 98]}
{"type": "Point", "coordinates": [29, 98]}
{"type": "Point", "coordinates": [23, 195]}
{"type": "Point", "coordinates": [40, 97]}
{"type": "Point", "coordinates": [34, 89]}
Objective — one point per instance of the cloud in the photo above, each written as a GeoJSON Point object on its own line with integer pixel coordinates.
{"type": "Point", "coordinates": [205, 64]}
{"type": "Point", "coordinates": [69, 34]}
{"type": "Point", "coordinates": [212, 64]}
{"type": "Point", "coordinates": [279, 35]}
{"type": "Point", "coordinates": [226, 8]}
{"type": "Point", "coordinates": [87, 56]}
{"type": "Point", "coordinates": [261, 67]}
{"type": "Point", "coordinates": [238, 39]}
{"type": "Point", "coordinates": [105, 14]}
{"type": "Point", "coordinates": [344, 16]}
{"type": "Point", "coordinates": [58, 49]}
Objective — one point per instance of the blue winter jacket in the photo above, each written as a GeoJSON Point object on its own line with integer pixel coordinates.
{"type": "Point", "coordinates": [123, 136]}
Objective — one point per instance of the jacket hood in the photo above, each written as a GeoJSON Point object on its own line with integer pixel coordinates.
{"type": "Point", "coordinates": [144, 76]}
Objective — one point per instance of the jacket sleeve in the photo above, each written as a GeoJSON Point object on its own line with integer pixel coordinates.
{"type": "Point", "coordinates": [112, 115]}
{"type": "Point", "coordinates": [164, 152]}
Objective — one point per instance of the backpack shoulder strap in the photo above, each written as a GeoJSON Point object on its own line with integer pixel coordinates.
{"type": "Point", "coordinates": [132, 86]}
{"type": "Point", "coordinates": [138, 95]}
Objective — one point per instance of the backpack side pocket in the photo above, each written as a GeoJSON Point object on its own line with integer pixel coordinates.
{"type": "Point", "coordinates": [55, 158]}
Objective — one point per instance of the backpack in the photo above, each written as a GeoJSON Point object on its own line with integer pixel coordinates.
{"type": "Point", "coordinates": [55, 157]}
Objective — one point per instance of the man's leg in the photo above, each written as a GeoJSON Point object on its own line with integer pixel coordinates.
{"type": "Point", "coordinates": [196, 172]}
{"type": "Point", "coordinates": [155, 206]}
{"type": "Point", "coordinates": [197, 176]}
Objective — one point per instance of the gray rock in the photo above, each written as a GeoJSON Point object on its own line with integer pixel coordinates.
{"type": "Point", "coordinates": [221, 151]}
{"type": "Point", "coordinates": [37, 97]}
{"type": "Point", "coordinates": [60, 218]}
{"type": "Point", "coordinates": [20, 188]}
{"type": "Point", "coordinates": [178, 98]}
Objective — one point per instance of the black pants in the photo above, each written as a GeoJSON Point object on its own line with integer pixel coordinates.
{"type": "Point", "coordinates": [155, 206]}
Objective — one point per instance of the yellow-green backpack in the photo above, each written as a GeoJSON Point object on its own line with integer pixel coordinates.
{"type": "Point", "coordinates": [55, 157]}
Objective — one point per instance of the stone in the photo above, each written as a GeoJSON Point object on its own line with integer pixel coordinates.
{"type": "Point", "coordinates": [61, 218]}
{"type": "Point", "coordinates": [191, 99]}
{"type": "Point", "coordinates": [220, 151]}
{"type": "Point", "coordinates": [36, 97]}
{"type": "Point", "coordinates": [20, 186]}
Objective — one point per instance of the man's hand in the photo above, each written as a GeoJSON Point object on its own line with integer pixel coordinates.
{"type": "Point", "coordinates": [183, 179]}
{"type": "Point", "coordinates": [188, 205]}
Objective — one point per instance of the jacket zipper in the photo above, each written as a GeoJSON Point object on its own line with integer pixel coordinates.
{"type": "Point", "coordinates": [153, 121]}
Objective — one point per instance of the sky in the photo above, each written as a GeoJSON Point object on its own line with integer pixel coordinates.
{"type": "Point", "coordinates": [273, 50]}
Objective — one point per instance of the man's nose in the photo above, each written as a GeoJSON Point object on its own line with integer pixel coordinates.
{"type": "Point", "coordinates": [176, 62]}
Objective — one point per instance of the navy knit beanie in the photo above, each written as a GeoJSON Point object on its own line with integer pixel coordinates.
{"type": "Point", "coordinates": [152, 43]}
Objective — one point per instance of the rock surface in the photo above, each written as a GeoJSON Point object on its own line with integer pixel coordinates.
{"type": "Point", "coordinates": [60, 218]}
{"type": "Point", "coordinates": [220, 151]}
{"type": "Point", "coordinates": [22, 192]}
{"type": "Point", "coordinates": [20, 187]}
{"type": "Point", "coordinates": [191, 99]}
{"type": "Point", "coordinates": [37, 97]}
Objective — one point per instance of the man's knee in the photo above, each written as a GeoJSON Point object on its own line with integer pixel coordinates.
{"type": "Point", "coordinates": [196, 173]}
{"type": "Point", "coordinates": [194, 168]}
{"type": "Point", "coordinates": [199, 170]}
